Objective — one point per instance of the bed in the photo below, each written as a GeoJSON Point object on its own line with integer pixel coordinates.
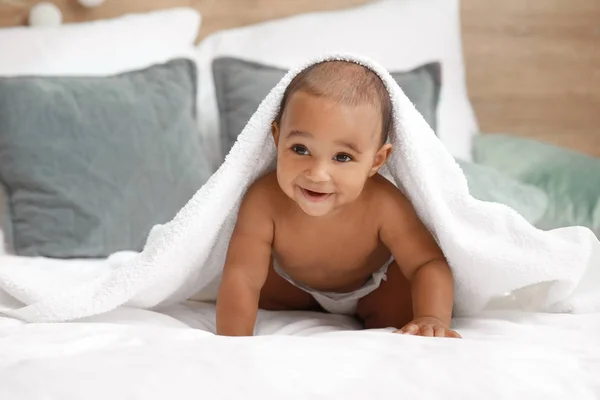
{"type": "Point", "coordinates": [524, 134]}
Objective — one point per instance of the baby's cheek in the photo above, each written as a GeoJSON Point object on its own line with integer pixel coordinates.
{"type": "Point", "coordinates": [281, 176]}
{"type": "Point", "coordinates": [286, 178]}
{"type": "Point", "coordinates": [284, 162]}
{"type": "Point", "coordinates": [354, 182]}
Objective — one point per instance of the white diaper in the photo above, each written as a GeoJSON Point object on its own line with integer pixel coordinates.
{"type": "Point", "coordinates": [340, 303]}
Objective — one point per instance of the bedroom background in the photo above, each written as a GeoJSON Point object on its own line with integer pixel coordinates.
{"type": "Point", "coordinates": [111, 120]}
{"type": "Point", "coordinates": [516, 105]}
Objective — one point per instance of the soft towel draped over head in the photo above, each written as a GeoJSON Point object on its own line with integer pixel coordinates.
{"type": "Point", "coordinates": [491, 249]}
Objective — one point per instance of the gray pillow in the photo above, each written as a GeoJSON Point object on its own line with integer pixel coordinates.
{"type": "Point", "coordinates": [488, 184]}
{"type": "Point", "coordinates": [241, 85]}
{"type": "Point", "coordinates": [90, 164]}
{"type": "Point", "coordinates": [5, 222]}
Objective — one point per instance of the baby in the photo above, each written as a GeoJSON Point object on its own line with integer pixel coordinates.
{"type": "Point", "coordinates": [325, 231]}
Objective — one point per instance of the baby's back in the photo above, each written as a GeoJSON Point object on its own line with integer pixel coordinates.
{"type": "Point", "coordinates": [336, 252]}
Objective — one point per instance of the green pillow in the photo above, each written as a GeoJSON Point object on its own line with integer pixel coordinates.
{"type": "Point", "coordinates": [487, 184]}
{"type": "Point", "coordinates": [90, 164]}
{"type": "Point", "coordinates": [241, 85]}
{"type": "Point", "coordinates": [570, 179]}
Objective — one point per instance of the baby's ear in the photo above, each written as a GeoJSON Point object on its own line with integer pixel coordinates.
{"type": "Point", "coordinates": [381, 157]}
{"type": "Point", "coordinates": [275, 132]}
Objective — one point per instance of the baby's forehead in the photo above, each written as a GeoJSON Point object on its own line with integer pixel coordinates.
{"type": "Point", "coordinates": [345, 83]}
{"type": "Point", "coordinates": [323, 120]}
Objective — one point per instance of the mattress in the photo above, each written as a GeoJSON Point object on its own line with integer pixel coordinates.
{"type": "Point", "coordinates": [174, 354]}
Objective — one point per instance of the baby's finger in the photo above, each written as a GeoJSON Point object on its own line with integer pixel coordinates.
{"type": "Point", "coordinates": [453, 334]}
{"type": "Point", "coordinates": [439, 331]}
{"type": "Point", "coordinates": [410, 329]}
{"type": "Point", "coordinates": [427, 330]}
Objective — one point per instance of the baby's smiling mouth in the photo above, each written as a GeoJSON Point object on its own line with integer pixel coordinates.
{"type": "Point", "coordinates": [313, 196]}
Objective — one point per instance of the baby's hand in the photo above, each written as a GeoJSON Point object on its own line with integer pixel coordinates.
{"type": "Point", "coordinates": [428, 326]}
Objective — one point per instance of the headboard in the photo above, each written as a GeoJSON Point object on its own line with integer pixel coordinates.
{"type": "Point", "coordinates": [533, 67]}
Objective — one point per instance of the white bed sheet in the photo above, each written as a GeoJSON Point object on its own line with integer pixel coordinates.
{"type": "Point", "coordinates": [137, 354]}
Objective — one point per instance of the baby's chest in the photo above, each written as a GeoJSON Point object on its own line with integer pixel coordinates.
{"type": "Point", "coordinates": [341, 244]}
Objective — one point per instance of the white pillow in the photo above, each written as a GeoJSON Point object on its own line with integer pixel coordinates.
{"type": "Point", "coordinates": [101, 47]}
{"type": "Point", "coordinates": [399, 34]}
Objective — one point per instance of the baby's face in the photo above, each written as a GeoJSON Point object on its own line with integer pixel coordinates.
{"type": "Point", "coordinates": [327, 151]}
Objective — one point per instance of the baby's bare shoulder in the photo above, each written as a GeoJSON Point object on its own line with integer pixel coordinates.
{"type": "Point", "coordinates": [390, 200]}
{"type": "Point", "coordinates": [263, 191]}
{"type": "Point", "coordinates": [255, 216]}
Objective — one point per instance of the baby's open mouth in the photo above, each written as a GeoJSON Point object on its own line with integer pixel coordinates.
{"type": "Point", "coordinates": [315, 196]}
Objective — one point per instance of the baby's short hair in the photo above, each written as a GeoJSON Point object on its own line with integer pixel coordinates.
{"type": "Point", "coordinates": [345, 82]}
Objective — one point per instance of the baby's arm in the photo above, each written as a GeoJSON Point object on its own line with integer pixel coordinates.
{"type": "Point", "coordinates": [422, 263]}
{"type": "Point", "coordinates": [246, 265]}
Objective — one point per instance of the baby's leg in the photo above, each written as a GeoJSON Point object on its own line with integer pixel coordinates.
{"type": "Point", "coordinates": [278, 294]}
{"type": "Point", "coordinates": [390, 305]}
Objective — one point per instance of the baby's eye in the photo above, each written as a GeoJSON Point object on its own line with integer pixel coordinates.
{"type": "Point", "coordinates": [343, 158]}
{"type": "Point", "coordinates": [299, 149]}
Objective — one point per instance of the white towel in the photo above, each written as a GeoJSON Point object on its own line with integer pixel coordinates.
{"type": "Point", "coordinates": [491, 249]}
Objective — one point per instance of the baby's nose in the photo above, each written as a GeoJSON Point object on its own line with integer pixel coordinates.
{"type": "Point", "coordinates": [318, 172]}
